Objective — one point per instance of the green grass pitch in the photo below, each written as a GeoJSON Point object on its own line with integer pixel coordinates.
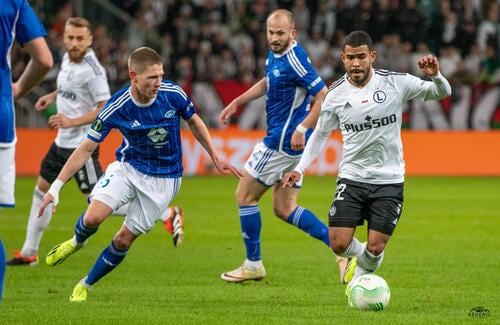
{"type": "Point", "coordinates": [442, 261]}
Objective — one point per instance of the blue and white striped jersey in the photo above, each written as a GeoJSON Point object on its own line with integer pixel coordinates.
{"type": "Point", "coordinates": [17, 21]}
{"type": "Point", "coordinates": [291, 81]}
{"type": "Point", "coordinates": [151, 132]}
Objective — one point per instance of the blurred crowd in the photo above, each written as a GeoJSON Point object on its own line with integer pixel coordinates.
{"type": "Point", "coordinates": [204, 42]}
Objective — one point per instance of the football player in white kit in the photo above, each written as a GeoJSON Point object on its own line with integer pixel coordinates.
{"type": "Point", "coordinates": [366, 104]}
{"type": "Point", "coordinates": [82, 90]}
{"type": "Point", "coordinates": [148, 169]}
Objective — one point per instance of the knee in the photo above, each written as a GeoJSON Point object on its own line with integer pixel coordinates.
{"type": "Point", "coordinates": [244, 198]}
{"type": "Point", "coordinates": [338, 247]}
{"type": "Point", "coordinates": [375, 248]}
{"type": "Point", "coordinates": [91, 221]}
{"type": "Point", "coordinates": [280, 213]}
{"type": "Point", "coordinates": [121, 242]}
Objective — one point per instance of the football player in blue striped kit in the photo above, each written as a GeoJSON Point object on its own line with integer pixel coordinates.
{"type": "Point", "coordinates": [17, 21]}
{"type": "Point", "coordinates": [147, 173]}
{"type": "Point", "coordinates": [289, 84]}
{"type": "Point", "coordinates": [82, 90]}
{"type": "Point", "coordinates": [366, 104]}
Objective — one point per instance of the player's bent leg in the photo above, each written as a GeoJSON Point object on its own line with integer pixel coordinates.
{"type": "Point", "coordinates": [306, 221]}
{"type": "Point", "coordinates": [343, 242]}
{"type": "Point", "coordinates": [107, 261]}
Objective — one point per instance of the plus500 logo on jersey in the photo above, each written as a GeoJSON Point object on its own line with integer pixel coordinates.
{"type": "Point", "coordinates": [370, 123]}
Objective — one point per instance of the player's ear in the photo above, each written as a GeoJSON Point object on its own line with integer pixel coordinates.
{"type": "Point", "coordinates": [373, 55]}
{"type": "Point", "coordinates": [132, 74]}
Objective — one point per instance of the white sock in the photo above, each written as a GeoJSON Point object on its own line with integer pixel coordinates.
{"type": "Point", "coordinates": [85, 284]}
{"type": "Point", "coordinates": [167, 214]}
{"type": "Point", "coordinates": [253, 265]}
{"type": "Point", "coordinates": [355, 249]}
{"type": "Point", "coordinates": [370, 262]}
{"type": "Point", "coordinates": [36, 226]}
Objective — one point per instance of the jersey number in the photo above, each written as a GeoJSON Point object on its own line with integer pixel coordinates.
{"type": "Point", "coordinates": [340, 189]}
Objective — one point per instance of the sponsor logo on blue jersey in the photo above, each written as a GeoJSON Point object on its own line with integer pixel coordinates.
{"type": "Point", "coordinates": [170, 113]}
{"type": "Point", "coordinates": [157, 135]}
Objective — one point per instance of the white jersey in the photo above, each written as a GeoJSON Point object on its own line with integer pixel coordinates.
{"type": "Point", "coordinates": [80, 86]}
{"type": "Point", "coordinates": [370, 120]}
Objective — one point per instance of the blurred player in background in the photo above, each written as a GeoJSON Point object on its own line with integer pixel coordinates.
{"type": "Point", "coordinates": [289, 83]}
{"type": "Point", "coordinates": [147, 173]}
{"type": "Point", "coordinates": [17, 21]}
{"type": "Point", "coordinates": [366, 104]}
{"type": "Point", "coordinates": [82, 90]}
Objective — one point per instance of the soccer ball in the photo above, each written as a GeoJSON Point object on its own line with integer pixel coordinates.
{"type": "Point", "coordinates": [369, 292]}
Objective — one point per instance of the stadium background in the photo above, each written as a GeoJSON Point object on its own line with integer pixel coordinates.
{"type": "Point", "coordinates": [439, 265]}
{"type": "Point", "coordinates": [215, 50]}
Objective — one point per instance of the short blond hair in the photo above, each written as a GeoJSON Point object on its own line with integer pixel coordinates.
{"type": "Point", "coordinates": [78, 22]}
{"type": "Point", "coordinates": [142, 58]}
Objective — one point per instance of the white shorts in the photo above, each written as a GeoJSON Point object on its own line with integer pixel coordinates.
{"type": "Point", "coordinates": [7, 176]}
{"type": "Point", "coordinates": [268, 166]}
{"type": "Point", "coordinates": [149, 196]}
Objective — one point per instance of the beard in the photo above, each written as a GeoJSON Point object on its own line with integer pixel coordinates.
{"type": "Point", "coordinates": [359, 76]}
{"type": "Point", "coordinates": [278, 48]}
{"type": "Point", "coordinates": [76, 55]}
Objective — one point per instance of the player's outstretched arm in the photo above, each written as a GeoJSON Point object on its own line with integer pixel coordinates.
{"type": "Point", "coordinates": [76, 161]}
{"type": "Point", "coordinates": [429, 65]}
{"type": "Point", "coordinates": [200, 132]}
{"type": "Point", "coordinates": [298, 140]}
{"type": "Point", "coordinates": [256, 91]}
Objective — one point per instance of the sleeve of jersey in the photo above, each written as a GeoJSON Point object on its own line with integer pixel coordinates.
{"type": "Point", "coordinates": [436, 89]}
{"type": "Point", "coordinates": [28, 26]}
{"type": "Point", "coordinates": [99, 129]}
{"type": "Point", "coordinates": [312, 150]}
{"type": "Point", "coordinates": [441, 87]}
{"type": "Point", "coordinates": [308, 78]}
{"type": "Point", "coordinates": [188, 108]}
{"type": "Point", "coordinates": [99, 88]}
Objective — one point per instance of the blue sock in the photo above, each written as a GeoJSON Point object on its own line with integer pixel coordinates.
{"type": "Point", "coordinates": [251, 225]}
{"type": "Point", "coordinates": [3, 262]}
{"type": "Point", "coordinates": [110, 258]}
{"type": "Point", "coordinates": [308, 222]}
{"type": "Point", "coordinates": [82, 233]}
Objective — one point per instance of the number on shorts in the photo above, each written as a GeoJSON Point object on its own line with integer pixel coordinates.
{"type": "Point", "coordinates": [340, 189]}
